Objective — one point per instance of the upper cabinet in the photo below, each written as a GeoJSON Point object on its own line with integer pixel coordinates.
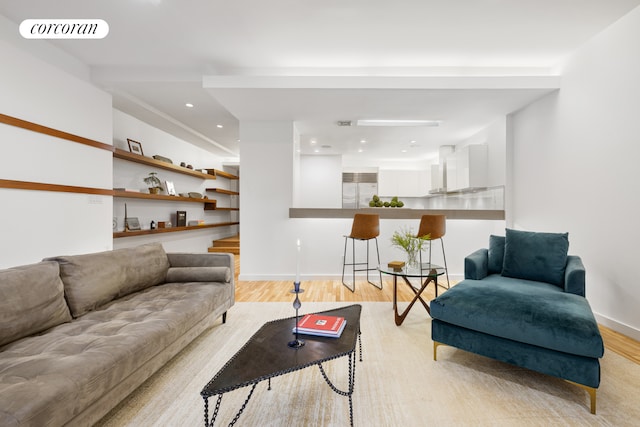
{"type": "Point", "coordinates": [467, 168]}
{"type": "Point", "coordinates": [403, 183]}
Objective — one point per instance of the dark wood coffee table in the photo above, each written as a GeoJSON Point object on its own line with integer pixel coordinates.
{"type": "Point", "coordinates": [267, 355]}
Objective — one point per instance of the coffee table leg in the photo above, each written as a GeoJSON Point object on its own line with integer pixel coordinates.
{"type": "Point", "coordinates": [352, 375]}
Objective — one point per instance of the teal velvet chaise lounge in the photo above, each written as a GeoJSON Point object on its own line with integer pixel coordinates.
{"type": "Point", "coordinates": [523, 302]}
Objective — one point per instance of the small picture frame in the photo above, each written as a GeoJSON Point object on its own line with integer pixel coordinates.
{"type": "Point", "coordinates": [135, 147]}
{"type": "Point", "coordinates": [131, 224]}
{"type": "Point", "coordinates": [171, 189]}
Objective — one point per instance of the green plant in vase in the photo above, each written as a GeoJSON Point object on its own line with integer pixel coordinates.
{"type": "Point", "coordinates": [406, 240]}
{"type": "Point", "coordinates": [153, 182]}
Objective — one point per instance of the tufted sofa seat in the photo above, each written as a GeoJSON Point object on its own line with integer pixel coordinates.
{"type": "Point", "coordinates": [76, 371]}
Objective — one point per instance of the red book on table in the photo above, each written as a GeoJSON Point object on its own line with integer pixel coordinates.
{"type": "Point", "coordinates": [322, 325]}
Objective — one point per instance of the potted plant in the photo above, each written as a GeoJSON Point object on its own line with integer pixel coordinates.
{"type": "Point", "coordinates": [406, 240]}
{"type": "Point", "coordinates": [153, 182]}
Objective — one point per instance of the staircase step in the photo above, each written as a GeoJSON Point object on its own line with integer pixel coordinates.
{"type": "Point", "coordinates": [231, 242]}
{"type": "Point", "coordinates": [227, 249]}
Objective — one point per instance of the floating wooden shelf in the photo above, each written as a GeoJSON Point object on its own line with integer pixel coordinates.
{"type": "Point", "coordinates": [223, 191]}
{"type": "Point", "coordinates": [226, 209]}
{"type": "Point", "coordinates": [137, 158]}
{"type": "Point", "coordinates": [209, 204]}
{"type": "Point", "coordinates": [222, 174]}
{"type": "Point", "coordinates": [120, 234]}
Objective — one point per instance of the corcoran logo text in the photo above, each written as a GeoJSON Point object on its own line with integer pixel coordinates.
{"type": "Point", "coordinates": [64, 29]}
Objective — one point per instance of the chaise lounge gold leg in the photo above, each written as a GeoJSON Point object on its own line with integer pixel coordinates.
{"type": "Point", "coordinates": [435, 346]}
{"type": "Point", "coordinates": [592, 394]}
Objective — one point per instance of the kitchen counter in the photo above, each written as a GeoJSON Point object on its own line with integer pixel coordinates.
{"type": "Point", "coordinates": [396, 213]}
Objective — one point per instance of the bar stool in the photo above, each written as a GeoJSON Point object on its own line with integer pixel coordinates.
{"type": "Point", "coordinates": [433, 227]}
{"type": "Point", "coordinates": [365, 227]}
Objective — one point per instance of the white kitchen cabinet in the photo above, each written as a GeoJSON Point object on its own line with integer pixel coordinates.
{"type": "Point", "coordinates": [403, 183]}
{"type": "Point", "coordinates": [467, 168]}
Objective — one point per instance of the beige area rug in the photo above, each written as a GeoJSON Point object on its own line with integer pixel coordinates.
{"type": "Point", "coordinates": [397, 384]}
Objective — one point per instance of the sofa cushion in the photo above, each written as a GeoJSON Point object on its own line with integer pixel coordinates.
{"type": "Point", "coordinates": [199, 274]}
{"type": "Point", "coordinates": [530, 312]}
{"type": "Point", "coordinates": [31, 300]}
{"type": "Point", "coordinates": [535, 256]}
{"type": "Point", "coordinates": [93, 280]}
{"type": "Point", "coordinates": [496, 254]}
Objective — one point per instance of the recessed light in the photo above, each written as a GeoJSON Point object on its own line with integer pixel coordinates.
{"type": "Point", "coordinates": [317, 150]}
{"type": "Point", "coordinates": [363, 141]}
{"type": "Point", "coordinates": [219, 126]}
{"type": "Point", "coordinates": [188, 105]}
{"type": "Point", "coordinates": [360, 150]}
{"type": "Point", "coordinates": [313, 141]}
{"type": "Point", "coordinates": [385, 122]}
{"type": "Point", "coordinates": [413, 142]}
{"type": "Point", "coordinates": [403, 151]}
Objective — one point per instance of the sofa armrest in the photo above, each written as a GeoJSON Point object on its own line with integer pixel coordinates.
{"type": "Point", "coordinates": [574, 276]}
{"type": "Point", "coordinates": [476, 265]}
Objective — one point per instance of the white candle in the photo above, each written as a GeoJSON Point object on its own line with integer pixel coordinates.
{"type": "Point", "coordinates": [298, 263]}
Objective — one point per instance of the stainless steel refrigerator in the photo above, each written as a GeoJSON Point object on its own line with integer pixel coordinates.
{"type": "Point", "coordinates": [358, 189]}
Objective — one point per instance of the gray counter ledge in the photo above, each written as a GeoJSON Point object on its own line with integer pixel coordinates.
{"type": "Point", "coordinates": [396, 213]}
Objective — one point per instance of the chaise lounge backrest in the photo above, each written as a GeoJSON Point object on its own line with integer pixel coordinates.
{"type": "Point", "coordinates": [533, 256]}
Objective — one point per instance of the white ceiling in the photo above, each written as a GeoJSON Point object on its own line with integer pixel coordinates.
{"type": "Point", "coordinates": [228, 58]}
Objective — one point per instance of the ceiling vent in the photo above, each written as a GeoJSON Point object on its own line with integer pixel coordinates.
{"type": "Point", "coordinates": [344, 123]}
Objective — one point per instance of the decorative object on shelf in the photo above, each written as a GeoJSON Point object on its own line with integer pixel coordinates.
{"type": "Point", "coordinates": [115, 223]}
{"type": "Point", "coordinates": [196, 222]}
{"type": "Point", "coordinates": [131, 224]}
{"type": "Point", "coordinates": [181, 218]}
{"type": "Point", "coordinates": [195, 195]}
{"type": "Point", "coordinates": [189, 167]}
{"type": "Point", "coordinates": [153, 182]}
{"type": "Point", "coordinates": [153, 225]}
{"type": "Point", "coordinates": [170, 188]}
{"type": "Point", "coordinates": [135, 147]}
{"type": "Point", "coordinates": [184, 194]}
{"type": "Point", "coordinates": [377, 203]}
{"type": "Point", "coordinates": [406, 240]}
{"type": "Point", "coordinates": [183, 164]}
{"type": "Point", "coordinates": [162, 158]}
{"type": "Point", "coordinates": [297, 343]}
{"type": "Point", "coordinates": [162, 224]}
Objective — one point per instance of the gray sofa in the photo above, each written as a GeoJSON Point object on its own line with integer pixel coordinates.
{"type": "Point", "coordinates": [523, 302]}
{"type": "Point", "coordinates": [79, 333]}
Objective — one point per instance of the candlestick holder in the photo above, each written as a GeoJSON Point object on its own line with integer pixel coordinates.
{"type": "Point", "coordinates": [296, 343]}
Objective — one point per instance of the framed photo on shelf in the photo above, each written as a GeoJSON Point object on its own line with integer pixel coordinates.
{"type": "Point", "coordinates": [135, 147]}
{"type": "Point", "coordinates": [171, 189]}
{"type": "Point", "coordinates": [131, 224]}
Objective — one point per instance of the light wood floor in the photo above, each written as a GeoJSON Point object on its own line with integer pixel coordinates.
{"type": "Point", "coordinates": [333, 290]}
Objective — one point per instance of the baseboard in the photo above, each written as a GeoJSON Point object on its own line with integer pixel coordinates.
{"type": "Point", "coordinates": [308, 277]}
{"type": "Point", "coordinates": [618, 327]}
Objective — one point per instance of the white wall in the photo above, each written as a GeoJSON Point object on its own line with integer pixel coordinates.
{"type": "Point", "coordinates": [320, 181]}
{"type": "Point", "coordinates": [38, 224]}
{"type": "Point", "coordinates": [130, 175]}
{"type": "Point", "coordinates": [575, 168]}
{"type": "Point", "coordinates": [266, 194]}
